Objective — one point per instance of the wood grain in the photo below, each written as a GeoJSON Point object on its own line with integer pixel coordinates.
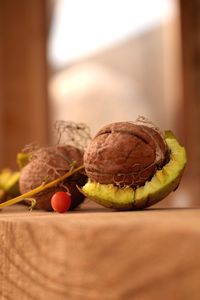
{"type": "Point", "coordinates": [100, 254]}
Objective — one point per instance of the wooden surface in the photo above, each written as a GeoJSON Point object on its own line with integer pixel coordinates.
{"type": "Point", "coordinates": [100, 254]}
{"type": "Point", "coordinates": [23, 99]}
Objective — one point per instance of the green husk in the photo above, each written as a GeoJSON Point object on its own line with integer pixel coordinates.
{"type": "Point", "coordinates": [162, 183]}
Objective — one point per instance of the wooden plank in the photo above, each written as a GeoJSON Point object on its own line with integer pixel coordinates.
{"type": "Point", "coordinates": [23, 102]}
{"type": "Point", "coordinates": [189, 116]}
{"type": "Point", "coordinates": [190, 33]}
{"type": "Point", "coordinates": [99, 254]}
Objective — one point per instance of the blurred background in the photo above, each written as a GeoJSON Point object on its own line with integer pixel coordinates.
{"type": "Point", "coordinates": [120, 57]}
{"type": "Point", "coordinates": [97, 62]}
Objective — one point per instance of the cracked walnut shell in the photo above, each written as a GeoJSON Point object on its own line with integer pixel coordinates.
{"type": "Point", "coordinates": [125, 154]}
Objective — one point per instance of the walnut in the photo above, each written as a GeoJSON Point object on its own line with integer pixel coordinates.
{"type": "Point", "coordinates": [125, 154]}
{"type": "Point", "coordinates": [47, 164]}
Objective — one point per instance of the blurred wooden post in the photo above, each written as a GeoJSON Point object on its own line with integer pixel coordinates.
{"type": "Point", "coordinates": [23, 97]}
{"type": "Point", "coordinates": [190, 33]}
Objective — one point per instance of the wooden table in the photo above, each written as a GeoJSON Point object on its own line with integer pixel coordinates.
{"type": "Point", "coordinates": [98, 254]}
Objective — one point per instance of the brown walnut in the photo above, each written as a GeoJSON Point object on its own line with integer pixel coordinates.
{"type": "Point", "coordinates": [125, 154]}
{"type": "Point", "coordinates": [47, 164]}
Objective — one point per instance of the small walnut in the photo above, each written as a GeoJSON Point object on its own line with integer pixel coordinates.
{"type": "Point", "coordinates": [125, 154]}
{"type": "Point", "coordinates": [47, 164]}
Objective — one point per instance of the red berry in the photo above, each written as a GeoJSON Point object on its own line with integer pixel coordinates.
{"type": "Point", "coordinates": [61, 202]}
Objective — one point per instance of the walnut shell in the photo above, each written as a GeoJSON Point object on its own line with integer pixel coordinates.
{"type": "Point", "coordinates": [125, 154]}
{"type": "Point", "coordinates": [49, 163]}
